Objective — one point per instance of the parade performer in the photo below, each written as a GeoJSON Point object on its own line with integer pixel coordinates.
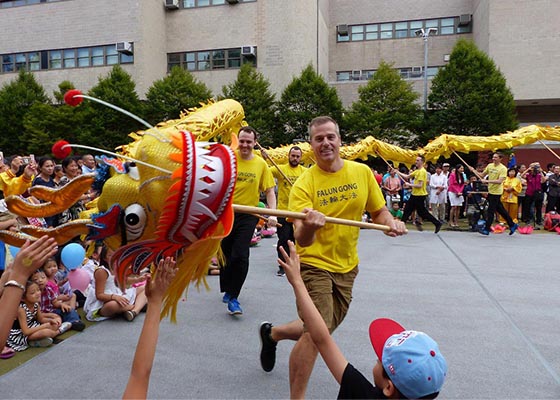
{"type": "Point", "coordinates": [337, 188]}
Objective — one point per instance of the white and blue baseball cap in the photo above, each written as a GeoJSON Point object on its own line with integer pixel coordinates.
{"type": "Point", "coordinates": [411, 359]}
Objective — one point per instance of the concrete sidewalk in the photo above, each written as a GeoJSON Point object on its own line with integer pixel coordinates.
{"type": "Point", "coordinates": [492, 303]}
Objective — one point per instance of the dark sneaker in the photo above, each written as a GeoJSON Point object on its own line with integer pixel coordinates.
{"type": "Point", "coordinates": [78, 326]}
{"type": "Point", "coordinates": [484, 232]}
{"type": "Point", "coordinates": [234, 308]}
{"type": "Point", "coordinates": [226, 298]}
{"type": "Point", "coordinates": [513, 229]}
{"type": "Point", "coordinates": [280, 272]}
{"type": "Point", "coordinates": [419, 225]}
{"type": "Point", "coordinates": [438, 227]}
{"type": "Point", "coordinates": [268, 347]}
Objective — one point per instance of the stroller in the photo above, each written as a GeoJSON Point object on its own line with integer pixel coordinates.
{"type": "Point", "coordinates": [477, 207]}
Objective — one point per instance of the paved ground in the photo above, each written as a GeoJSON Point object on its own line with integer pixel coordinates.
{"type": "Point", "coordinates": [492, 303]}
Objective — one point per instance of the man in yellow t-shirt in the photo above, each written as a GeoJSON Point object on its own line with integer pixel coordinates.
{"type": "Point", "coordinates": [419, 194]}
{"type": "Point", "coordinates": [286, 175]}
{"type": "Point", "coordinates": [328, 253]}
{"type": "Point", "coordinates": [495, 174]}
{"type": "Point", "coordinates": [253, 177]}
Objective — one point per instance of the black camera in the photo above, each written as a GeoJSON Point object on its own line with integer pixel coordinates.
{"type": "Point", "coordinates": [536, 168]}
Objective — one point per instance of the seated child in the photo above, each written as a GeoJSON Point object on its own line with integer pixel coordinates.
{"type": "Point", "coordinates": [395, 211]}
{"type": "Point", "coordinates": [409, 363]}
{"type": "Point", "coordinates": [32, 328]}
{"type": "Point", "coordinates": [51, 299]}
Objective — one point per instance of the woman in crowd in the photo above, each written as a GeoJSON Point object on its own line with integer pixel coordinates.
{"type": "Point", "coordinates": [512, 188]}
{"type": "Point", "coordinates": [455, 193]}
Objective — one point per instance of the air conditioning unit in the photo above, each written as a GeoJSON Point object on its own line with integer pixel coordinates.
{"type": "Point", "coordinates": [125, 48]}
{"type": "Point", "coordinates": [233, 1]}
{"type": "Point", "coordinates": [248, 51]}
{"type": "Point", "coordinates": [446, 57]}
{"type": "Point", "coordinates": [171, 4]}
{"type": "Point", "coordinates": [342, 30]}
{"type": "Point", "coordinates": [465, 19]}
{"type": "Point", "coordinates": [416, 72]}
{"type": "Point", "coordinates": [356, 75]}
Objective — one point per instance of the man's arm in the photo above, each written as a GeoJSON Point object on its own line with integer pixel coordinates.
{"type": "Point", "coordinates": [315, 324]}
{"type": "Point", "coordinates": [271, 203]}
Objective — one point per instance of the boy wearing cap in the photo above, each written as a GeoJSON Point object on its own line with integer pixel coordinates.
{"type": "Point", "coordinates": [409, 363]}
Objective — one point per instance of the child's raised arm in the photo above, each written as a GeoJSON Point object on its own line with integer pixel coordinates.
{"type": "Point", "coordinates": [137, 387]}
{"type": "Point", "coordinates": [313, 320]}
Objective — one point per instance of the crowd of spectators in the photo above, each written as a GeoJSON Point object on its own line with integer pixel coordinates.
{"type": "Point", "coordinates": [529, 193]}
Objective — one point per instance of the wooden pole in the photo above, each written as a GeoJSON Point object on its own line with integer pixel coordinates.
{"type": "Point", "coordinates": [263, 152]}
{"type": "Point", "coordinates": [297, 215]}
{"type": "Point", "coordinates": [549, 149]}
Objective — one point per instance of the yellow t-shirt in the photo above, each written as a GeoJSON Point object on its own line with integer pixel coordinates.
{"type": "Point", "coordinates": [284, 187]}
{"type": "Point", "coordinates": [420, 175]}
{"type": "Point", "coordinates": [342, 194]}
{"type": "Point", "coordinates": [253, 177]}
{"type": "Point", "coordinates": [494, 173]}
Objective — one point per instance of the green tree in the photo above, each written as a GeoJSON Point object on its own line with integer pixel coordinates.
{"type": "Point", "coordinates": [386, 109]}
{"type": "Point", "coordinates": [306, 97]}
{"type": "Point", "coordinates": [178, 91]}
{"type": "Point", "coordinates": [252, 90]}
{"type": "Point", "coordinates": [470, 96]}
{"type": "Point", "coordinates": [16, 98]}
{"type": "Point", "coordinates": [104, 127]}
{"type": "Point", "coordinates": [45, 123]}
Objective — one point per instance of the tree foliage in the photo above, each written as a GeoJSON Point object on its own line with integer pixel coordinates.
{"type": "Point", "coordinates": [16, 99]}
{"type": "Point", "coordinates": [306, 97]}
{"type": "Point", "coordinates": [386, 109]}
{"type": "Point", "coordinates": [46, 123]}
{"type": "Point", "coordinates": [178, 91]}
{"type": "Point", "coordinates": [470, 96]}
{"type": "Point", "coordinates": [252, 90]}
{"type": "Point", "coordinates": [104, 127]}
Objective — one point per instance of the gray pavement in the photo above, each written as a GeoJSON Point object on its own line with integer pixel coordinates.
{"type": "Point", "coordinates": [492, 303]}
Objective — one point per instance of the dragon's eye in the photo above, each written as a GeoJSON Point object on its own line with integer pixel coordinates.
{"type": "Point", "coordinates": [135, 221]}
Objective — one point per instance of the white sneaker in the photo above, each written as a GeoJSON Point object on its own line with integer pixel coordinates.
{"type": "Point", "coordinates": [65, 326]}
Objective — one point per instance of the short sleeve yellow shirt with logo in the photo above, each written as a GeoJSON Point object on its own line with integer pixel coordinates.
{"type": "Point", "coordinates": [342, 194]}
{"type": "Point", "coordinates": [284, 187]}
{"type": "Point", "coordinates": [495, 173]}
{"type": "Point", "coordinates": [253, 177]}
{"type": "Point", "coordinates": [420, 175]}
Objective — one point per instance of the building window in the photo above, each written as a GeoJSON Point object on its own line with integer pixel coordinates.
{"type": "Point", "coordinates": [18, 3]}
{"type": "Point", "coordinates": [210, 59]}
{"type": "Point", "coordinates": [82, 57]}
{"type": "Point", "coordinates": [367, 74]}
{"type": "Point", "coordinates": [403, 29]}
{"type": "Point", "coordinates": [206, 3]}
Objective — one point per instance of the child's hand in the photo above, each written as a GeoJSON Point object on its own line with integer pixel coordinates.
{"type": "Point", "coordinates": [292, 266]}
{"type": "Point", "coordinates": [165, 272]}
{"type": "Point", "coordinates": [63, 297]}
{"type": "Point", "coordinates": [65, 307]}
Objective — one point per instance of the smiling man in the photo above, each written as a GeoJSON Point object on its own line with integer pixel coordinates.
{"type": "Point", "coordinates": [329, 261]}
{"type": "Point", "coordinates": [253, 177]}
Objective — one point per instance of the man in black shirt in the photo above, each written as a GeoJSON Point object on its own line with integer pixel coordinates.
{"type": "Point", "coordinates": [409, 363]}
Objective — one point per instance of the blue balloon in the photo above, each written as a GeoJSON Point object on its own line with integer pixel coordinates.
{"type": "Point", "coordinates": [72, 255]}
{"type": "Point", "coordinates": [14, 250]}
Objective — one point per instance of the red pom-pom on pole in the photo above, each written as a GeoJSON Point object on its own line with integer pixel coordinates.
{"type": "Point", "coordinates": [72, 97]}
{"type": "Point", "coordinates": [60, 151]}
